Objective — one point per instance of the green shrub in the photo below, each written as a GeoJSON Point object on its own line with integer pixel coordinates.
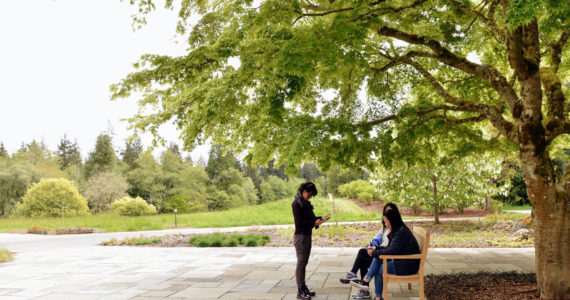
{"type": "Point", "coordinates": [230, 243]}
{"type": "Point", "coordinates": [146, 241]}
{"type": "Point", "coordinates": [128, 206]}
{"type": "Point", "coordinates": [50, 197]}
{"type": "Point", "coordinates": [251, 243]}
{"type": "Point", "coordinates": [496, 205]}
{"type": "Point", "coordinates": [5, 255]}
{"type": "Point", "coordinates": [220, 240]}
{"type": "Point", "coordinates": [359, 188]}
{"type": "Point", "coordinates": [365, 196]}
{"type": "Point", "coordinates": [180, 202]}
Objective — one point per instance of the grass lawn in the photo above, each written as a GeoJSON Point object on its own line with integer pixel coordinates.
{"type": "Point", "coordinates": [5, 255]}
{"type": "Point", "coordinates": [273, 213]}
{"type": "Point", "coordinates": [514, 207]}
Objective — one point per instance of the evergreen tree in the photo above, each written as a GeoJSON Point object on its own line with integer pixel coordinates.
{"type": "Point", "coordinates": [68, 153]}
{"type": "Point", "coordinates": [132, 152]}
{"type": "Point", "coordinates": [309, 171]}
{"type": "Point", "coordinates": [103, 158]}
{"type": "Point", "coordinates": [34, 153]}
{"type": "Point", "coordinates": [3, 151]}
{"type": "Point", "coordinates": [219, 160]}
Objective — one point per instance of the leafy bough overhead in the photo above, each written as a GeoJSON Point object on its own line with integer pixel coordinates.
{"type": "Point", "coordinates": [358, 80]}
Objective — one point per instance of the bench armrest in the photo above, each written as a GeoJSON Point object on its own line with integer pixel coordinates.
{"type": "Point", "coordinates": [411, 256]}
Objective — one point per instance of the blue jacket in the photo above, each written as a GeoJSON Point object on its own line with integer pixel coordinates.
{"type": "Point", "coordinates": [402, 243]}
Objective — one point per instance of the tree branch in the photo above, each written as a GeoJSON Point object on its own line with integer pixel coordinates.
{"type": "Point", "coordinates": [556, 115]}
{"type": "Point", "coordinates": [389, 8]}
{"type": "Point", "coordinates": [501, 36]}
{"type": "Point", "coordinates": [442, 54]}
{"type": "Point", "coordinates": [557, 49]}
{"type": "Point", "coordinates": [419, 113]}
{"type": "Point", "coordinates": [493, 113]}
{"type": "Point", "coordinates": [447, 121]}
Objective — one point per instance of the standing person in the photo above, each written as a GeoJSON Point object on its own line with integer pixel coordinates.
{"type": "Point", "coordinates": [364, 262]}
{"type": "Point", "coordinates": [305, 220]}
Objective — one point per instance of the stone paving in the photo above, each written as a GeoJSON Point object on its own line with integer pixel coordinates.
{"type": "Point", "coordinates": [96, 272]}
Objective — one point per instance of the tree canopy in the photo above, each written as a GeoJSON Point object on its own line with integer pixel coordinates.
{"type": "Point", "coordinates": [351, 81]}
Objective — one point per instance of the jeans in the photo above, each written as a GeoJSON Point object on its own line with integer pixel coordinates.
{"type": "Point", "coordinates": [374, 267]}
{"type": "Point", "coordinates": [378, 280]}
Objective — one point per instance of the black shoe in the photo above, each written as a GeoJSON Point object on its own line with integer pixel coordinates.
{"type": "Point", "coordinates": [307, 291]}
{"type": "Point", "coordinates": [301, 294]}
{"type": "Point", "coordinates": [361, 284]}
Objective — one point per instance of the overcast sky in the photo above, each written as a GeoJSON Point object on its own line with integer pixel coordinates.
{"type": "Point", "coordinates": [57, 61]}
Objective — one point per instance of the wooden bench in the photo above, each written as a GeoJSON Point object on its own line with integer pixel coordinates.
{"type": "Point", "coordinates": [422, 236]}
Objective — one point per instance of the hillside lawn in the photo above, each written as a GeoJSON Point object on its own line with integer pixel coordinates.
{"type": "Point", "coordinates": [273, 213]}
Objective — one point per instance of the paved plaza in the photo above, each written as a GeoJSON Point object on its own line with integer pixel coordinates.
{"type": "Point", "coordinates": [44, 268]}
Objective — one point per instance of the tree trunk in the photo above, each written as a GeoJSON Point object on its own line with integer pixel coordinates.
{"type": "Point", "coordinates": [435, 206]}
{"type": "Point", "coordinates": [550, 202]}
{"type": "Point", "coordinates": [551, 212]}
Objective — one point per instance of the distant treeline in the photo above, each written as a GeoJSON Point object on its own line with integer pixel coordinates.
{"type": "Point", "coordinates": [172, 181]}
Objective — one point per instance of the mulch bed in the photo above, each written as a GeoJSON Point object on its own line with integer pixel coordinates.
{"type": "Point", "coordinates": [480, 286]}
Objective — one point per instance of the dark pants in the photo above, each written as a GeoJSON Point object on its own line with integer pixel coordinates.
{"type": "Point", "coordinates": [302, 244]}
{"type": "Point", "coordinates": [362, 262]}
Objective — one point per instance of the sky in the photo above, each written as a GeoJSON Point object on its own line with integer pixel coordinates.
{"type": "Point", "coordinates": [57, 61]}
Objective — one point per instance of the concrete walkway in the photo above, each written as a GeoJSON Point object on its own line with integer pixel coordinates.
{"type": "Point", "coordinates": [64, 269]}
{"type": "Point", "coordinates": [30, 242]}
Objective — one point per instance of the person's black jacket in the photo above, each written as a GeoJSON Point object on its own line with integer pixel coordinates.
{"type": "Point", "coordinates": [304, 216]}
{"type": "Point", "coordinates": [403, 242]}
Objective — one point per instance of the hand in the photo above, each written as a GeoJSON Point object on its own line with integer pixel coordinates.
{"type": "Point", "coordinates": [318, 222]}
{"type": "Point", "coordinates": [369, 250]}
{"type": "Point", "coordinates": [326, 218]}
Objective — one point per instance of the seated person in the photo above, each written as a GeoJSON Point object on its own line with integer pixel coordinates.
{"type": "Point", "coordinates": [363, 260]}
{"type": "Point", "coordinates": [402, 242]}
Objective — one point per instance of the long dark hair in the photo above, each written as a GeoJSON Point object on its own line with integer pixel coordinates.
{"type": "Point", "coordinates": [395, 220]}
{"type": "Point", "coordinates": [309, 187]}
{"type": "Point", "coordinates": [392, 206]}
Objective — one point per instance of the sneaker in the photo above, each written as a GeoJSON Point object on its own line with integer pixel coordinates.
{"type": "Point", "coordinates": [362, 294]}
{"type": "Point", "coordinates": [361, 284]}
{"type": "Point", "coordinates": [301, 294]}
{"type": "Point", "coordinates": [349, 277]}
{"type": "Point", "coordinates": [307, 291]}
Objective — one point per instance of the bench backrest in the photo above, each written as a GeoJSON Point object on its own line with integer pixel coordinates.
{"type": "Point", "coordinates": [422, 236]}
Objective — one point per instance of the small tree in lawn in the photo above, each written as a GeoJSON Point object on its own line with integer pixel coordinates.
{"type": "Point", "coordinates": [52, 197]}
{"type": "Point", "coordinates": [104, 188]}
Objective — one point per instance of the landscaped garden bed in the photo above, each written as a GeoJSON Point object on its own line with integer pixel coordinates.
{"type": "Point", "coordinates": [482, 286]}
{"type": "Point", "coordinates": [463, 234]}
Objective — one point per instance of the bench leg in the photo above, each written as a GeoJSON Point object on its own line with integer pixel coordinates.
{"type": "Point", "coordinates": [409, 286]}
{"type": "Point", "coordinates": [422, 296]}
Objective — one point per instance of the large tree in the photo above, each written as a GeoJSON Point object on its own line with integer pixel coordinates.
{"type": "Point", "coordinates": [343, 81]}
{"type": "Point", "coordinates": [103, 158]}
